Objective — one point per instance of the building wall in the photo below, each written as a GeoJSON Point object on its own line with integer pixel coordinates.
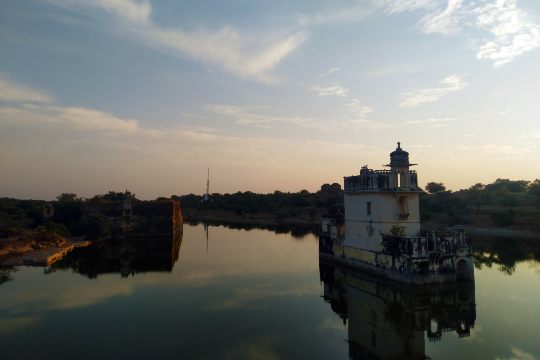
{"type": "Point", "coordinates": [364, 231]}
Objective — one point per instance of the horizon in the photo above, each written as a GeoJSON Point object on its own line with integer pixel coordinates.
{"type": "Point", "coordinates": [146, 95]}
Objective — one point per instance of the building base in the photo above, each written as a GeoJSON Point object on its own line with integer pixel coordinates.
{"type": "Point", "coordinates": [412, 279]}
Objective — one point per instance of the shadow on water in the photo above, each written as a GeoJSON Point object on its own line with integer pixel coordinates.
{"type": "Point", "coordinates": [127, 255]}
{"type": "Point", "coordinates": [388, 320]}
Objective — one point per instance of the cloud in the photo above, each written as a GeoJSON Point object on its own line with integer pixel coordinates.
{"type": "Point", "coordinates": [451, 83]}
{"type": "Point", "coordinates": [357, 108]}
{"type": "Point", "coordinates": [72, 117]}
{"type": "Point", "coordinates": [445, 22]}
{"type": "Point", "coordinates": [518, 354]}
{"type": "Point", "coordinates": [330, 90]}
{"type": "Point", "coordinates": [250, 116]}
{"type": "Point", "coordinates": [250, 56]}
{"type": "Point", "coordinates": [12, 92]}
{"type": "Point", "coordinates": [400, 6]}
{"type": "Point", "coordinates": [429, 121]}
{"type": "Point", "coordinates": [433, 123]}
{"type": "Point", "coordinates": [329, 72]}
{"type": "Point", "coordinates": [514, 32]}
{"type": "Point", "coordinates": [353, 105]}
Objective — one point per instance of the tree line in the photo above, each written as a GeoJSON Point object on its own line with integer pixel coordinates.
{"type": "Point", "coordinates": [504, 202]}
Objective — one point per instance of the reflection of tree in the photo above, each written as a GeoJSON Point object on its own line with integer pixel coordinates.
{"type": "Point", "coordinates": [504, 252]}
{"type": "Point", "coordinates": [297, 231]}
{"type": "Point", "coordinates": [5, 274]}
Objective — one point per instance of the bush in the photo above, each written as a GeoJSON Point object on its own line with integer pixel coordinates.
{"type": "Point", "coordinates": [503, 218]}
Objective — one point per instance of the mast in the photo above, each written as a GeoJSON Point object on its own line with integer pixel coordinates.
{"type": "Point", "coordinates": [206, 196]}
{"type": "Point", "coordinates": [208, 184]}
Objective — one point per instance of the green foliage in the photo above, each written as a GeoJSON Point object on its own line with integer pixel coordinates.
{"type": "Point", "coordinates": [249, 202]}
{"type": "Point", "coordinates": [534, 188]}
{"type": "Point", "coordinates": [503, 218]}
{"type": "Point", "coordinates": [518, 186]}
{"type": "Point", "coordinates": [16, 213]}
{"type": "Point", "coordinates": [435, 188]}
{"type": "Point", "coordinates": [397, 230]}
{"type": "Point", "coordinates": [67, 197]}
{"type": "Point", "coordinates": [68, 210]}
{"type": "Point", "coordinates": [477, 195]}
{"type": "Point", "coordinates": [444, 202]}
{"type": "Point", "coordinates": [113, 196]}
{"type": "Point", "coordinates": [96, 227]}
{"type": "Point", "coordinates": [48, 234]}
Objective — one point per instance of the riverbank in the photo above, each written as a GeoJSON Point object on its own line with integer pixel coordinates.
{"type": "Point", "coordinates": [477, 225]}
{"type": "Point", "coordinates": [27, 250]}
{"type": "Point", "coordinates": [259, 218]}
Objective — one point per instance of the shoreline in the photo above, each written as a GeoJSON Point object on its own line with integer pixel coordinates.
{"type": "Point", "coordinates": [270, 220]}
{"type": "Point", "coordinates": [25, 253]}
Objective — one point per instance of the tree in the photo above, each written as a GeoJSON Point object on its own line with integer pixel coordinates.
{"type": "Point", "coordinates": [534, 188]}
{"type": "Point", "coordinates": [478, 196]}
{"type": "Point", "coordinates": [517, 186]}
{"type": "Point", "coordinates": [64, 197]}
{"type": "Point", "coordinates": [114, 196]}
{"type": "Point", "coordinates": [68, 209]}
{"type": "Point", "coordinates": [435, 188]}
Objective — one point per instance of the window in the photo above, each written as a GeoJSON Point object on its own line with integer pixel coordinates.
{"type": "Point", "coordinates": [369, 207]}
{"type": "Point", "coordinates": [403, 206]}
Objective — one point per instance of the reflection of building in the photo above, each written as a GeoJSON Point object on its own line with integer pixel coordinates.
{"type": "Point", "coordinates": [388, 320]}
{"type": "Point", "coordinates": [129, 254]}
{"type": "Point", "coordinates": [381, 229]}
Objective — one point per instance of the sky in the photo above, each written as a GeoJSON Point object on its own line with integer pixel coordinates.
{"type": "Point", "coordinates": [270, 95]}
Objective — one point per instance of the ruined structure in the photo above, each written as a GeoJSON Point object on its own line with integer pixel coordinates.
{"type": "Point", "coordinates": [380, 232]}
{"type": "Point", "coordinates": [147, 236]}
{"type": "Point", "coordinates": [134, 216]}
{"type": "Point", "coordinates": [388, 320]}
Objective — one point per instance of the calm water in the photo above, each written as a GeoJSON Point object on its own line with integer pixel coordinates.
{"type": "Point", "coordinates": [259, 295]}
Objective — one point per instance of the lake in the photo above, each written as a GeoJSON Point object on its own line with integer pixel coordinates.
{"type": "Point", "coordinates": [258, 294]}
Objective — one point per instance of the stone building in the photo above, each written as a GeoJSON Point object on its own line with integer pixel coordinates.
{"type": "Point", "coordinates": [380, 231]}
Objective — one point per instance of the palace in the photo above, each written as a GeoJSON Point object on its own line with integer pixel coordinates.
{"type": "Point", "coordinates": [380, 231]}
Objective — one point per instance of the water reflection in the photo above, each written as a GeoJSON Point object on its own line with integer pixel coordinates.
{"type": "Point", "coordinates": [6, 274]}
{"type": "Point", "coordinates": [297, 231]}
{"type": "Point", "coordinates": [504, 252]}
{"type": "Point", "coordinates": [127, 255]}
{"type": "Point", "coordinates": [388, 320]}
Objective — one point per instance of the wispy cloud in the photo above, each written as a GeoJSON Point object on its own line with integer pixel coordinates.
{"type": "Point", "coordinates": [13, 92]}
{"type": "Point", "coordinates": [353, 105]}
{"type": "Point", "coordinates": [330, 72]}
{"type": "Point", "coordinates": [445, 21]}
{"type": "Point", "coordinates": [400, 6]}
{"type": "Point", "coordinates": [250, 116]}
{"type": "Point", "coordinates": [514, 31]}
{"type": "Point", "coordinates": [518, 354]}
{"type": "Point", "coordinates": [449, 84]}
{"type": "Point", "coordinates": [444, 122]}
{"type": "Point", "coordinates": [330, 90]}
{"type": "Point", "coordinates": [245, 55]}
{"type": "Point", "coordinates": [357, 108]}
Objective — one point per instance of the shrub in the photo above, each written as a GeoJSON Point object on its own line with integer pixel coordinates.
{"type": "Point", "coordinates": [503, 218]}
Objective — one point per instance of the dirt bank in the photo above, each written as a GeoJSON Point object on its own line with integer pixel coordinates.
{"type": "Point", "coordinates": [27, 250]}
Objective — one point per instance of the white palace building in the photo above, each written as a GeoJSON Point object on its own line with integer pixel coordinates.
{"type": "Point", "coordinates": [380, 231]}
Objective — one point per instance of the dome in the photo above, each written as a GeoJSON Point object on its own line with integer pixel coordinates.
{"type": "Point", "coordinates": [399, 157]}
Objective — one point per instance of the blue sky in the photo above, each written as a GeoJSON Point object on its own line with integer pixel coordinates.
{"type": "Point", "coordinates": [145, 95]}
